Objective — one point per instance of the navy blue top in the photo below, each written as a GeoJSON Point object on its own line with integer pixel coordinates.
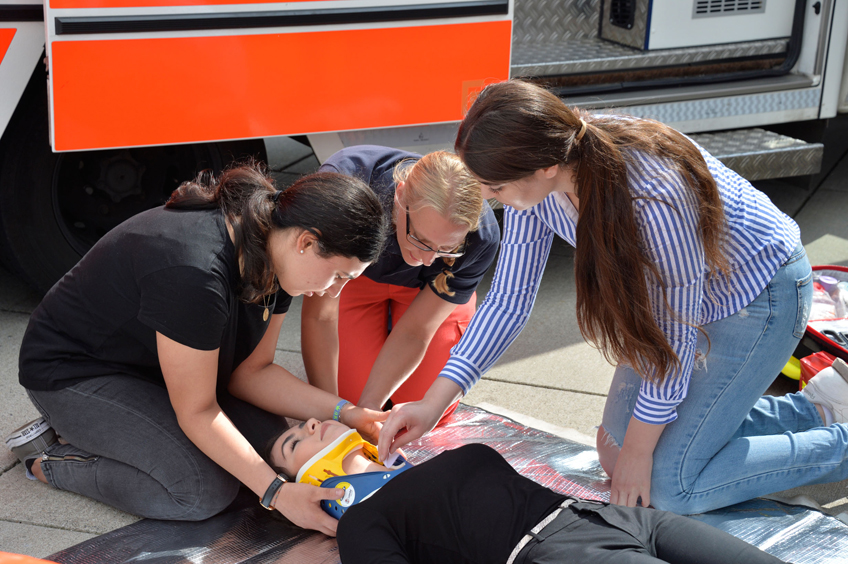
{"type": "Point", "coordinates": [375, 166]}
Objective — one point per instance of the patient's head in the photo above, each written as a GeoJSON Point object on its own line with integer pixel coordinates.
{"type": "Point", "coordinates": [297, 445]}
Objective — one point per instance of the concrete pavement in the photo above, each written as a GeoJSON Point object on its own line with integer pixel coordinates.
{"type": "Point", "coordinates": [549, 374]}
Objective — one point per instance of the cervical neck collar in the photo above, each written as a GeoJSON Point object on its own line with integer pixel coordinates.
{"type": "Point", "coordinates": [325, 470]}
{"type": "Point", "coordinates": [327, 462]}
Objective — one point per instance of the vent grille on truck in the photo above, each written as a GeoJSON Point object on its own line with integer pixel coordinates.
{"type": "Point", "coordinates": [622, 13]}
{"type": "Point", "coordinates": [706, 8]}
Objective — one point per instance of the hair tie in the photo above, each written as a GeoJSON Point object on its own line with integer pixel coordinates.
{"type": "Point", "coordinates": [276, 216]}
{"type": "Point", "coordinates": [582, 131]}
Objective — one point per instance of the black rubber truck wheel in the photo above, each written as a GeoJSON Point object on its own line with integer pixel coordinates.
{"type": "Point", "coordinates": [54, 207]}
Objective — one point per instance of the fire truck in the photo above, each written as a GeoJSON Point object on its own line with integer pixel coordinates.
{"type": "Point", "coordinates": [107, 105]}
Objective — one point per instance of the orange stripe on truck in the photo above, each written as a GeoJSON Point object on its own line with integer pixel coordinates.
{"type": "Point", "coordinates": [131, 92]}
{"type": "Point", "coordinates": [6, 35]}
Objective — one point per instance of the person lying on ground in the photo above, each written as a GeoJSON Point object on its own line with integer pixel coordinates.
{"type": "Point", "coordinates": [470, 505]}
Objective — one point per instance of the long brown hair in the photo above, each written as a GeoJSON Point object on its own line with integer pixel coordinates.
{"type": "Point", "coordinates": [342, 213]}
{"type": "Point", "coordinates": [515, 128]}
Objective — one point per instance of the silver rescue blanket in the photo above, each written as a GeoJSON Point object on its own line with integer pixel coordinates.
{"type": "Point", "coordinates": [246, 533]}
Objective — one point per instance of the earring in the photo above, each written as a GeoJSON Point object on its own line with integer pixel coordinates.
{"type": "Point", "coordinates": [301, 251]}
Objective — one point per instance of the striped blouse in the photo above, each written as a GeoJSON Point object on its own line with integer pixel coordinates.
{"type": "Point", "coordinates": [759, 241]}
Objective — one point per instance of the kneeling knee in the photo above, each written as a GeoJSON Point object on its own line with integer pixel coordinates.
{"type": "Point", "coordinates": [198, 498]}
{"type": "Point", "coordinates": [676, 501]}
{"type": "Point", "coordinates": [215, 497]}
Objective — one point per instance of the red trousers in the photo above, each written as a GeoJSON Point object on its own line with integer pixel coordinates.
{"type": "Point", "coordinates": [366, 310]}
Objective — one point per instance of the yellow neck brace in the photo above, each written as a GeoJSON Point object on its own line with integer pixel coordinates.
{"type": "Point", "coordinates": [328, 461]}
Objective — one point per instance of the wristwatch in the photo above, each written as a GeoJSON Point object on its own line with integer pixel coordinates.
{"type": "Point", "coordinates": [265, 500]}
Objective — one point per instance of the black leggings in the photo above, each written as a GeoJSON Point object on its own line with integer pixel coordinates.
{"type": "Point", "coordinates": [622, 535]}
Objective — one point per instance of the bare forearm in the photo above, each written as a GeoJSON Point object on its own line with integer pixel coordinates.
{"type": "Point", "coordinates": [399, 357]}
{"type": "Point", "coordinates": [641, 438]}
{"type": "Point", "coordinates": [631, 479]}
{"type": "Point", "coordinates": [218, 438]}
{"type": "Point", "coordinates": [275, 389]}
{"type": "Point", "coordinates": [417, 417]}
{"type": "Point", "coordinates": [405, 347]}
{"type": "Point", "coordinates": [442, 393]}
{"type": "Point", "coordinates": [319, 341]}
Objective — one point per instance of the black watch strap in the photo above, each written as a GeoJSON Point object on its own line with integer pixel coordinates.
{"type": "Point", "coordinates": [266, 499]}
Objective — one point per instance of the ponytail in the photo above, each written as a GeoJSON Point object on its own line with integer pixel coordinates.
{"type": "Point", "coordinates": [515, 128]}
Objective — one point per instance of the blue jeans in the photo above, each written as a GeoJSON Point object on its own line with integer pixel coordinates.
{"type": "Point", "coordinates": [730, 444]}
{"type": "Point", "coordinates": [126, 449]}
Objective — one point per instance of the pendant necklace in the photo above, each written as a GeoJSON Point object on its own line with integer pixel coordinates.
{"type": "Point", "coordinates": [267, 300]}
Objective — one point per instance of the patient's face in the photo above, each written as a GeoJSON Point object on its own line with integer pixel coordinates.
{"type": "Point", "coordinates": [297, 445]}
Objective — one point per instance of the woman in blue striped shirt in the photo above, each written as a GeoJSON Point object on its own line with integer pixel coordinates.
{"type": "Point", "coordinates": [688, 279]}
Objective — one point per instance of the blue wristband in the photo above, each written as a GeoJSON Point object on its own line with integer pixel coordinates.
{"type": "Point", "coordinates": [337, 413]}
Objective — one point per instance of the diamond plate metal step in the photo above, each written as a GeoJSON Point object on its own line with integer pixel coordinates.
{"type": "Point", "coordinates": [757, 154]}
{"type": "Point", "coordinates": [594, 55]}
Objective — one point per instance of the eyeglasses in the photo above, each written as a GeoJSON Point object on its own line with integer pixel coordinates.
{"type": "Point", "coordinates": [418, 244]}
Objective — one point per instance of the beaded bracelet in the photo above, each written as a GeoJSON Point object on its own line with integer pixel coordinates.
{"type": "Point", "coordinates": [337, 413]}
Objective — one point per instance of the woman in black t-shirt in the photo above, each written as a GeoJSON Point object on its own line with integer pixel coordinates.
{"type": "Point", "coordinates": [389, 333]}
{"type": "Point", "coordinates": [153, 358]}
{"type": "Point", "coordinates": [469, 505]}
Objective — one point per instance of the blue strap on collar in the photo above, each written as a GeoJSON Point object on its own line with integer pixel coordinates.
{"type": "Point", "coordinates": [359, 487]}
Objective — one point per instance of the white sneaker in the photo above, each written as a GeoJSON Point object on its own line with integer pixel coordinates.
{"type": "Point", "coordinates": [829, 388]}
{"type": "Point", "coordinates": [30, 441]}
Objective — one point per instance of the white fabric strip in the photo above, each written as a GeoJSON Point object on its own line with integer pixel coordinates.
{"type": "Point", "coordinates": [537, 529]}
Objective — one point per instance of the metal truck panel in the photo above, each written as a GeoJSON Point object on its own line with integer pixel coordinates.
{"type": "Point", "coordinates": [116, 93]}
{"type": "Point", "coordinates": [549, 38]}
{"type": "Point", "coordinates": [157, 76]}
{"type": "Point", "coordinates": [669, 24]}
{"type": "Point", "coordinates": [843, 91]}
{"type": "Point", "coordinates": [555, 21]}
{"type": "Point", "coordinates": [753, 153]}
{"type": "Point", "coordinates": [689, 23]}
{"type": "Point", "coordinates": [750, 110]}
{"type": "Point", "coordinates": [21, 45]}
{"type": "Point", "coordinates": [6, 35]}
{"type": "Point", "coordinates": [594, 55]}
{"type": "Point", "coordinates": [232, 17]}
{"type": "Point", "coordinates": [835, 65]}
{"type": "Point", "coordinates": [553, 37]}
{"type": "Point", "coordinates": [636, 35]}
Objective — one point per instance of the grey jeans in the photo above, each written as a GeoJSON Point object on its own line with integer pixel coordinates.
{"type": "Point", "coordinates": [612, 534]}
{"type": "Point", "coordinates": [126, 449]}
